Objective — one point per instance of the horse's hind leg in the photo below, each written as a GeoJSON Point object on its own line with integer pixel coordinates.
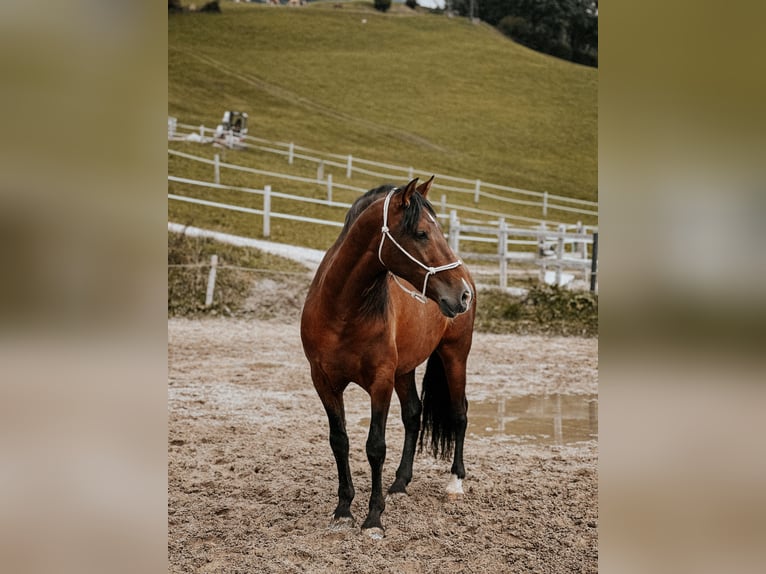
{"type": "Point", "coordinates": [336, 416]}
{"type": "Point", "coordinates": [455, 370]}
{"type": "Point", "coordinates": [407, 392]}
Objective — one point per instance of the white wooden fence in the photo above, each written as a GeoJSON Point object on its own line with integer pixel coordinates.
{"type": "Point", "coordinates": [327, 183]}
{"type": "Point", "coordinates": [547, 202]}
{"type": "Point", "coordinates": [559, 249]}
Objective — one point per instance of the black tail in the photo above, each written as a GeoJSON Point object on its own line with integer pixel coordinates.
{"type": "Point", "coordinates": [438, 420]}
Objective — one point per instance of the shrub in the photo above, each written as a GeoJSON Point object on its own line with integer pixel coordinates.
{"type": "Point", "coordinates": [569, 312]}
{"type": "Point", "coordinates": [411, 3]}
{"type": "Point", "coordinates": [382, 5]}
{"type": "Point", "coordinates": [543, 310]}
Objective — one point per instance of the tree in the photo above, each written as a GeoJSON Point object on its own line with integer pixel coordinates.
{"type": "Point", "coordinates": [382, 5]}
{"type": "Point", "coordinates": [212, 7]}
{"type": "Point", "coordinates": [583, 32]}
{"type": "Point", "coordinates": [564, 28]}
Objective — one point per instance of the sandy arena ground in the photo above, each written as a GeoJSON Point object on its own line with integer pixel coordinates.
{"type": "Point", "coordinates": [252, 481]}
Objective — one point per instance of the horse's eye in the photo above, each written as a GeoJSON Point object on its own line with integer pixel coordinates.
{"type": "Point", "coordinates": [421, 235]}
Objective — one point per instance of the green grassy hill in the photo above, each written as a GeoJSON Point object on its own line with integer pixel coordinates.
{"type": "Point", "coordinates": [406, 88]}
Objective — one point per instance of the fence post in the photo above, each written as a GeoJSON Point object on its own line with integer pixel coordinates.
{"type": "Point", "coordinates": [559, 255]}
{"type": "Point", "coordinates": [411, 173]}
{"type": "Point", "coordinates": [502, 252]}
{"type": "Point", "coordinates": [266, 210]}
{"type": "Point", "coordinates": [348, 166]}
{"type": "Point", "coordinates": [541, 251]}
{"type": "Point", "coordinates": [217, 168]}
{"type": "Point", "coordinates": [477, 191]}
{"type": "Point", "coordinates": [211, 280]}
{"type": "Point", "coordinates": [594, 263]}
{"type": "Point", "coordinates": [454, 231]}
{"type": "Point", "coordinates": [172, 123]}
{"type": "Point", "coordinates": [545, 204]}
{"type": "Point", "coordinates": [290, 153]}
{"type": "Point", "coordinates": [202, 132]}
{"type": "Point", "coordinates": [444, 204]}
{"type": "Point", "coordinates": [320, 171]}
{"type": "Point", "coordinates": [329, 187]}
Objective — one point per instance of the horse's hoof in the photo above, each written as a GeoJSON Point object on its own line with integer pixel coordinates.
{"type": "Point", "coordinates": [397, 487]}
{"type": "Point", "coordinates": [342, 523]}
{"type": "Point", "coordinates": [455, 489]}
{"type": "Point", "coordinates": [375, 533]}
{"type": "Point", "coordinates": [395, 497]}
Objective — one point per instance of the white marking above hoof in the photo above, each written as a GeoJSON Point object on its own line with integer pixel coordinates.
{"type": "Point", "coordinates": [374, 533]}
{"type": "Point", "coordinates": [455, 488]}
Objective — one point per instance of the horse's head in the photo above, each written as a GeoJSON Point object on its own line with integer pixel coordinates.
{"type": "Point", "coordinates": [412, 246]}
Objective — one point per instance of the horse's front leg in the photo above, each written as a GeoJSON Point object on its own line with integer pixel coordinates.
{"type": "Point", "coordinates": [380, 398]}
{"type": "Point", "coordinates": [339, 444]}
{"type": "Point", "coordinates": [332, 400]}
{"type": "Point", "coordinates": [407, 392]}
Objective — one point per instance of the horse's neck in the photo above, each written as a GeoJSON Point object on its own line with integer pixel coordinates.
{"type": "Point", "coordinates": [351, 270]}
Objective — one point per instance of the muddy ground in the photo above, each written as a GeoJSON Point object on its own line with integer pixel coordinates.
{"type": "Point", "coordinates": [252, 481]}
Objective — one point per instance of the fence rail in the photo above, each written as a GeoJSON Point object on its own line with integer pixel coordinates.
{"type": "Point", "coordinates": [351, 164]}
{"type": "Point", "coordinates": [543, 247]}
{"type": "Point", "coordinates": [331, 185]}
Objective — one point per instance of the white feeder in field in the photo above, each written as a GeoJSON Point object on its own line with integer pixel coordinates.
{"type": "Point", "coordinates": [231, 131]}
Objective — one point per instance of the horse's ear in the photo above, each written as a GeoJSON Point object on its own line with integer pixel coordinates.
{"type": "Point", "coordinates": [424, 187]}
{"type": "Point", "coordinates": [408, 191]}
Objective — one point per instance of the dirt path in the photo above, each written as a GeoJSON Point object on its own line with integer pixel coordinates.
{"type": "Point", "coordinates": [252, 480]}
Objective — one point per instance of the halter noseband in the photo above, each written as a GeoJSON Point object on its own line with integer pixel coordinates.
{"type": "Point", "coordinates": [429, 270]}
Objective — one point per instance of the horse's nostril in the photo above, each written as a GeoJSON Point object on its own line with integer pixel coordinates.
{"type": "Point", "coordinates": [466, 297]}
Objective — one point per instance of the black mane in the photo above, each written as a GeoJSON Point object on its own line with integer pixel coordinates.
{"type": "Point", "coordinates": [362, 203]}
{"type": "Point", "coordinates": [411, 217]}
{"type": "Point", "coordinates": [376, 295]}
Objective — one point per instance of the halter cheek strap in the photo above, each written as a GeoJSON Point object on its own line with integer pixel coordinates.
{"type": "Point", "coordinates": [385, 233]}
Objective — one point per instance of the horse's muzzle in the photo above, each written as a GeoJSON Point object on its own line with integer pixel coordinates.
{"type": "Point", "coordinates": [454, 307]}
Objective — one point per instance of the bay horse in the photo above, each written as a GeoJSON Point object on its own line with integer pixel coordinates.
{"type": "Point", "coordinates": [364, 322]}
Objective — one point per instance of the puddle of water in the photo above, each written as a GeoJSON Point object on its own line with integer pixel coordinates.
{"type": "Point", "coordinates": [544, 419]}
{"type": "Point", "coordinates": [541, 419]}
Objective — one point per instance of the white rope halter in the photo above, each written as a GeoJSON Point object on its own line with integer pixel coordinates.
{"type": "Point", "coordinates": [429, 270]}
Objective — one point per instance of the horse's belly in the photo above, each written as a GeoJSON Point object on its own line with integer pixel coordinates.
{"type": "Point", "coordinates": [417, 335]}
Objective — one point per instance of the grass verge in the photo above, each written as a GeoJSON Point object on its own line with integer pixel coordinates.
{"type": "Point", "coordinates": [240, 270]}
